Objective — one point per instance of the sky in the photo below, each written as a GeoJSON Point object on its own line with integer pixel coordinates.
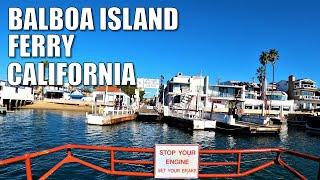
{"type": "Point", "coordinates": [218, 38]}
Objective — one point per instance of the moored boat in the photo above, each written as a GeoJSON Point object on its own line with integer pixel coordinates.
{"type": "Point", "coordinates": [313, 123]}
{"type": "Point", "coordinates": [298, 119]}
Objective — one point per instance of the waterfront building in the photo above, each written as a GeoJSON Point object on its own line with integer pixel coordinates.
{"type": "Point", "coordinates": [194, 93]}
{"type": "Point", "coordinates": [249, 99]}
{"type": "Point", "coordinates": [304, 92]}
{"type": "Point", "coordinates": [186, 92]}
{"type": "Point", "coordinates": [109, 94]}
{"type": "Point", "coordinates": [15, 96]}
{"type": "Point", "coordinates": [56, 92]}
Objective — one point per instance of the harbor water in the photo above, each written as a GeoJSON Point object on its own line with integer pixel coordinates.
{"type": "Point", "coordinates": [34, 130]}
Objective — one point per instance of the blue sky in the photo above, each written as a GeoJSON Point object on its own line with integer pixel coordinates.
{"type": "Point", "coordinates": [220, 38]}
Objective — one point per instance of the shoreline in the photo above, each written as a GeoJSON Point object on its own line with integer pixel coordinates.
{"type": "Point", "coordinates": [43, 105]}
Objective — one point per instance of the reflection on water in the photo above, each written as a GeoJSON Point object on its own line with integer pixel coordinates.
{"type": "Point", "coordinates": [1, 119]}
{"type": "Point", "coordinates": [284, 134]}
{"type": "Point", "coordinates": [231, 142]}
{"type": "Point", "coordinates": [34, 130]}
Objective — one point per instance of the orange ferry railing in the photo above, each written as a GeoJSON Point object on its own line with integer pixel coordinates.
{"type": "Point", "coordinates": [70, 158]}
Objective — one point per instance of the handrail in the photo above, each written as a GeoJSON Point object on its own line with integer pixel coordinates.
{"type": "Point", "coordinates": [70, 158]}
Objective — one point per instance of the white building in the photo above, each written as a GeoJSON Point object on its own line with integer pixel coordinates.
{"type": "Point", "coordinates": [108, 95]}
{"type": "Point", "coordinates": [247, 95]}
{"type": "Point", "coordinates": [55, 92]}
{"type": "Point", "coordinates": [15, 96]}
{"type": "Point", "coordinates": [304, 92]}
{"type": "Point", "coordinates": [184, 90]}
{"type": "Point", "coordinates": [194, 92]}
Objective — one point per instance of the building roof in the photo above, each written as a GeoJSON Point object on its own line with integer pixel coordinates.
{"type": "Point", "coordinates": [306, 80]}
{"type": "Point", "coordinates": [108, 88]}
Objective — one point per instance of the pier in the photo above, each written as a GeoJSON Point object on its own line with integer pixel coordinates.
{"type": "Point", "coordinates": [110, 117]}
{"type": "Point", "coordinates": [149, 113]}
{"type": "Point", "coordinates": [109, 120]}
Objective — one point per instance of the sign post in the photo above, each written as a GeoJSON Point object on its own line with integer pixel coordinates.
{"type": "Point", "coordinates": [176, 161]}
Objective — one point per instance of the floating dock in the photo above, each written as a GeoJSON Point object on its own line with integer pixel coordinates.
{"type": "Point", "coordinates": [229, 124]}
{"type": "Point", "coordinates": [240, 127]}
{"type": "Point", "coordinates": [109, 119]}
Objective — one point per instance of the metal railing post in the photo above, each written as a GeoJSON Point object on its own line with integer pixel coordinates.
{"type": "Point", "coordinates": [112, 160]}
{"type": "Point", "coordinates": [278, 158]}
{"type": "Point", "coordinates": [69, 153]}
{"type": "Point", "coordinates": [239, 163]}
{"type": "Point", "coordinates": [28, 167]}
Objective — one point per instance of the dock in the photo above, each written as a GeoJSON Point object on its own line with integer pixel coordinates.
{"type": "Point", "coordinates": [149, 113]}
{"type": "Point", "coordinates": [109, 120]}
{"type": "Point", "coordinates": [110, 116]}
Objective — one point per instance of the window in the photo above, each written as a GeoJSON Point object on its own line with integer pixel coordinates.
{"type": "Point", "coordinates": [257, 107]}
{"type": "Point", "coordinates": [286, 108]}
{"type": "Point", "coordinates": [307, 93]}
{"type": "Point", "coordinates": [99, 97]}
{"type": "Point", "coordinates": [176, 99]}
{"type": "Point", "coordinates": [1, 88]}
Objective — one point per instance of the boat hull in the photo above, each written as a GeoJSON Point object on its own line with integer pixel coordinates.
{"type": "Point", "coordinates": [313, 123]}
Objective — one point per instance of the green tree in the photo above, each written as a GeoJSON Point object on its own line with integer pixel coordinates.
{"type": "Point", "coordinates": [141, 94]}
{"type": "Point", "coordinates": [264, 58]}
{"type": "Point", "coordinates": [129, 90]}
{"type": "Point", "coordinates": [260, 74]}
{"type": "Point", "coordinates": [273, 58]}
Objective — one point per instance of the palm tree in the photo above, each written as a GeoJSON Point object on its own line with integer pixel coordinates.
{"type": "Point", "coordinates": [264, 59]}
{"type": "Point", "coordinates": [273, 58]}
{"type": "Point", "coordinates": [260, 73]}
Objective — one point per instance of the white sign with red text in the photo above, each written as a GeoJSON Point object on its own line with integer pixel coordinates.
{"type": "Point", "coordinates": [176, 161]}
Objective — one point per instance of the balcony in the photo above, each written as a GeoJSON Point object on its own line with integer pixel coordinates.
{"type": "Point", "coordinates": [305, 86]}
{"type": "Point", "coordinates": [309, 97]}
{"type": "Point", "coordinates": [225, 95]}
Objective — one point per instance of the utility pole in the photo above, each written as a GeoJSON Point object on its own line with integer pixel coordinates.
{"type": "Point", "coordinates": [162, 85]}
